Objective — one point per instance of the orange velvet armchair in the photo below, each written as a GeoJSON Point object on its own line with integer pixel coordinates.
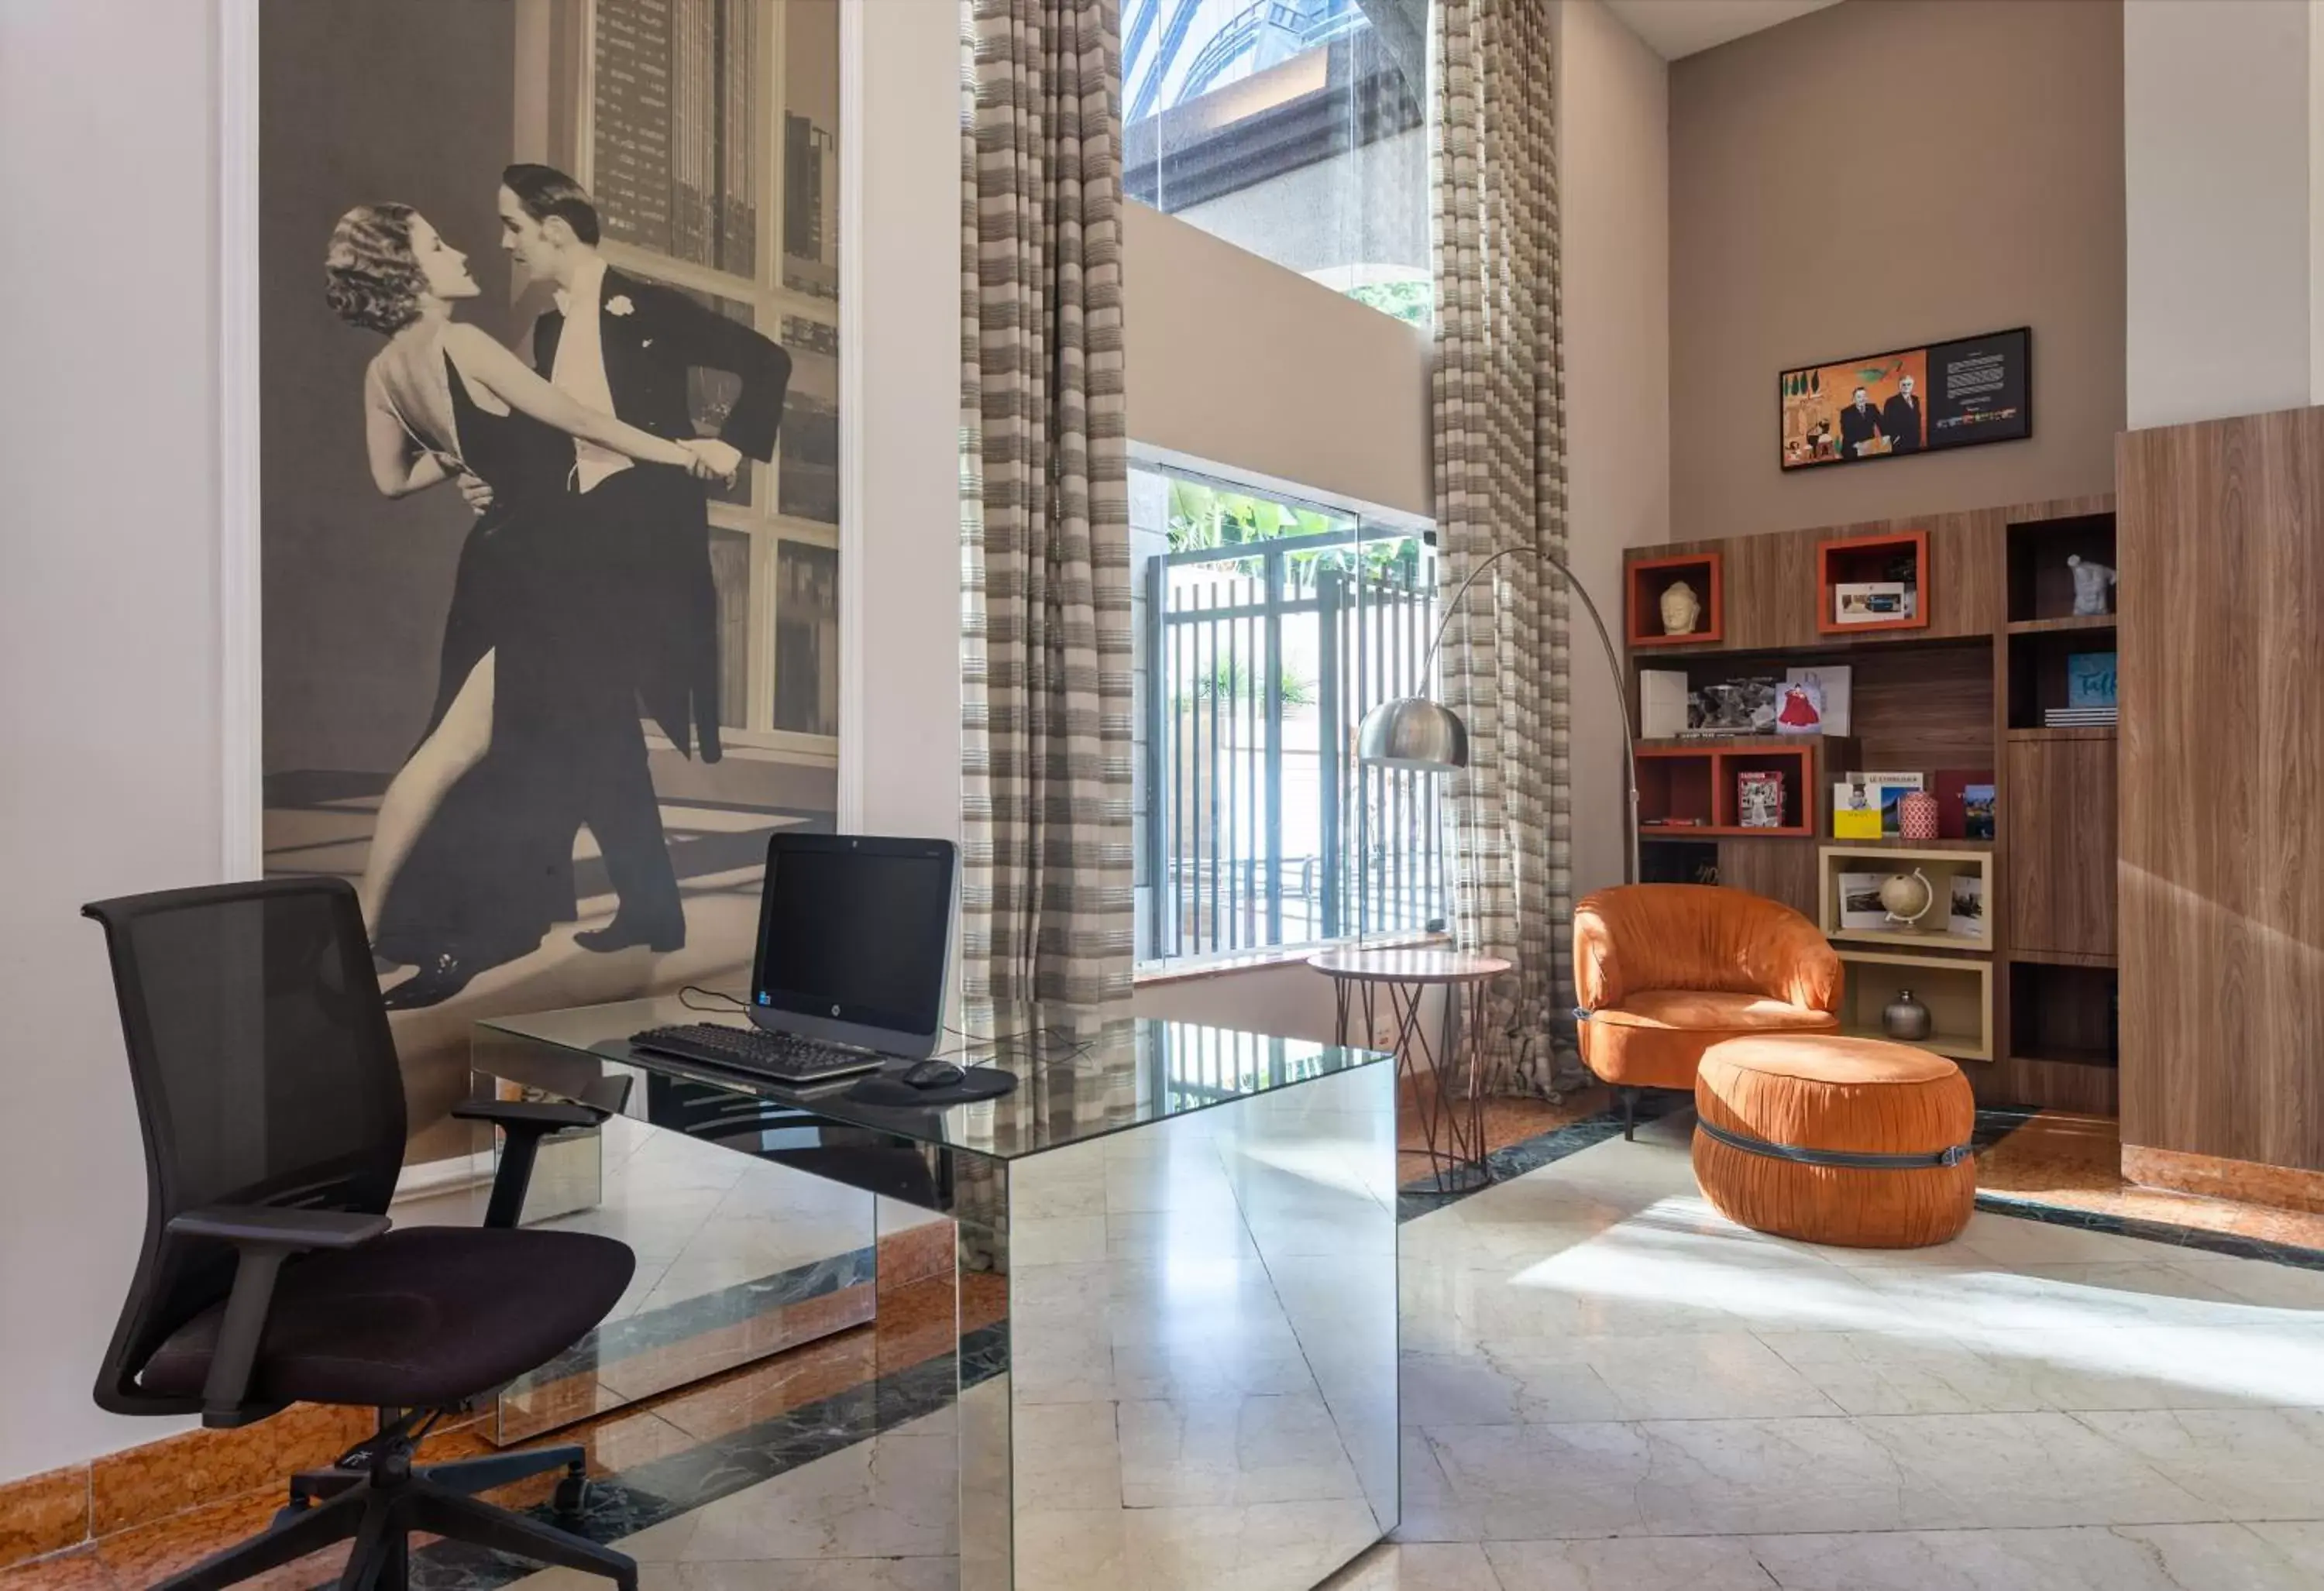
{"type": "Point", "coordinates": [1666, 970]}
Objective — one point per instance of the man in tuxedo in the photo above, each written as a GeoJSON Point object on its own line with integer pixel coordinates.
{"type": "Point", "coordinates": [1860, 422]}
{"type": "Point", "coordinates": [1901, 419]}
{"type": "Point", "coordinates": [644, 593]}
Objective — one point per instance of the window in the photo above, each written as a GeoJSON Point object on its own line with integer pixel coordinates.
{"type": "Point", "coordinates": [1267, 626]}
{"type": "Point", "coordinates": [706, 136]}
{"type": "Point", "coordinates": [1291, 128]}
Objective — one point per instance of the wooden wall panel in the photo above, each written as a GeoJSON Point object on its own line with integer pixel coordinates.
{"type": "Point", "coordinates": [2061, 856]}
{"type": "Point", "coordinates": [2221, 543]}
{"type": "Point", "coordinates": [1780, 869]}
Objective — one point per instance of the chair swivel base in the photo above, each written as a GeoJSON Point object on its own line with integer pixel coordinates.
{"type": "Point", "coordinates": [380, 1505]}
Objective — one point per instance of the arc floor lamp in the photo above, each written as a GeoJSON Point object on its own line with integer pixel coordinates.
{"type": "Point", "coordinates": [1422, 733]}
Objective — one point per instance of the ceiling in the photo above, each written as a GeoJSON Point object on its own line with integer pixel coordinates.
{"type": "Point", "coordinates": [1673, 28]}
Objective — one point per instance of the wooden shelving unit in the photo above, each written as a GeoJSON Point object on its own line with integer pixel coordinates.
{"type": "Point", "coordinates": [1958, 690]}
{"type": "Point", "coordinates": [2056, 788]}
{"type": "Point", "coordinates": [1957, 990]}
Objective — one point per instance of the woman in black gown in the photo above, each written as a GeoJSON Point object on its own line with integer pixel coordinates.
{"type": "Point", "coordinates": [472, 855]}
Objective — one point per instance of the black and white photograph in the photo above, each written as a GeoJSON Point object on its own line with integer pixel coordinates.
{"type": "Point", "coordinates": [549, 518]}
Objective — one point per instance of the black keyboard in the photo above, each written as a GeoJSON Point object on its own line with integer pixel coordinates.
{"type": "Point", "coordinates": [784, 1057]}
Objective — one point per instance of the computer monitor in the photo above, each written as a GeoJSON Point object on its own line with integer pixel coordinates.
{"type": "Point", "coordinates": [855, 939]}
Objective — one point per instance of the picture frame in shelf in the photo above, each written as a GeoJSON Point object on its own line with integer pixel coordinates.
{"type": "Point", "coordinates": [1967, 918]}
{"type": "Point", "coordinates": [1860, 901]}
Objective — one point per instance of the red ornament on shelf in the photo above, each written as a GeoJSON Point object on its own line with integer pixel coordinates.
{"type": "Point", "coordinates": [1917, 815]}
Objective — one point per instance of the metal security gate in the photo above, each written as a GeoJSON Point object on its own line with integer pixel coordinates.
{"type": "Point", "coordinates": [1262, 828]}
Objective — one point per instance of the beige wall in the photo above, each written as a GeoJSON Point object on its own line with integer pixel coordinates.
{"type": "Point", "coordinates": [1614, 189]}
{"type": "Point", "coordinates": [1234, 359]}
{"type": "Point", "coordinates": [2219, 122]}
{"type": "Point", "coordinates": [1983, 189]}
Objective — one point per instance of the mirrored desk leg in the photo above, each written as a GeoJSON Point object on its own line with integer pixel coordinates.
{"type": "Point", "coordinates": [988, 1513]}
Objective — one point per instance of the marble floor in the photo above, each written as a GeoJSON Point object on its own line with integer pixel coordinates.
{"type": "Point", "coordinates": [1607, 1385]}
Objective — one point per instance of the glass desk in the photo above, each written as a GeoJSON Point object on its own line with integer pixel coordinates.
{"type": "Point", "coordinates": [1174, 1288]}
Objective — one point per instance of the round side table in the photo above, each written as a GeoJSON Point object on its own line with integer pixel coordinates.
{"type": "Point", "coordinates": [1451, 1107]}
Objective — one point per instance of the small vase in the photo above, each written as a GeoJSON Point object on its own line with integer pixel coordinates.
{"type": "Point", "coordinates": [1916, 816]}
{"type": "Point", "coordinates": [1905, 1018]}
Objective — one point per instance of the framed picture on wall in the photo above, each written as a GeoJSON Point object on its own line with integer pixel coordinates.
{"type": "Point", "coordinates": [1925, 399]}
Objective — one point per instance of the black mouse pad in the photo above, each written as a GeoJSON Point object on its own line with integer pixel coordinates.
{"type": "Point", "coordinates": [980, 1082]}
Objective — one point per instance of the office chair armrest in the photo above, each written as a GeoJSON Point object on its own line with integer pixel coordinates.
{"type": "Point", "coordinates": [526, 1122]}
{"type": "Point", "coordinates": [291, 1230]}
{"type": "Point", "coordinates": [265, 1236]}
{"type": "Point", "coordinates": [533, 1116]}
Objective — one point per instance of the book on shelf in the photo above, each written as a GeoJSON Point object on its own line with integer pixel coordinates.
{"type": "Point", "coordinates": [2079, 717]}
{"type": "Point", "coordinates": [1759, 799]}
{"type": "Point", "coordinates": [1888, 791]}
{"type": "Point", "coordinates": [1955, 789]}
{"type": "Point", "coordinates": [1744, 705]}
{"type": "Point", "coordinates": [1662, 703]}
{"type": "Point", "coordinates": [1855, 813]}
{"type": "Point", "coordinates": [2090, 680]}
{"type": "Point", "coordinates": [1976, 812]}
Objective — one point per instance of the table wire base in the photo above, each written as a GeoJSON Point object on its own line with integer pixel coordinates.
{"type": "Point", "coordinates": [1444, 1077]}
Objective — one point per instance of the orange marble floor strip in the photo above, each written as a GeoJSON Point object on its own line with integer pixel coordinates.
{"type": "Point", "coordinates": [654, 1370]}
{"type": "Point", "coordinates": [916, 1254]}
{"type": "Point", "coordinates": [2075, 1161]}
{"type": "Point", "coordinates": [44, 1512]}
{"type": "Point", "coordinates": [144, 1484]}
{"type": "Point", "coordinates": [2278, 1187]}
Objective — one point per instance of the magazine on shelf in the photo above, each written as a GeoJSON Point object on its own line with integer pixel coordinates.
{"type": "Point", "coordinates": [1759, 799]}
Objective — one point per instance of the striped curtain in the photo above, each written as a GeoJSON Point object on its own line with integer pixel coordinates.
{"type": "Point", "coordinates": [1499, 412]}
{"type": "Point", "coordinates": [1045, 506]}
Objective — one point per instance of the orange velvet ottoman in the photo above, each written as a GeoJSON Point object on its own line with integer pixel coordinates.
{"type": "Point", "coordinates": [1852, 1141]}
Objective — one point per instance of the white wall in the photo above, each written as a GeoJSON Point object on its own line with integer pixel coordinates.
{"type": "Point", "coordinates": [1614, 187]}
{"type": "Point", "coordinates": [109, 642]}
{"type": "Point", "coordinates": [2219, 105]}
{"type": "Point", "coordinates": [899, 689]}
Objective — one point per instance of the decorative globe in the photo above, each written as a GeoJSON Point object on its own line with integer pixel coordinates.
{"type": "Point", "coordinates": [1907, 897]}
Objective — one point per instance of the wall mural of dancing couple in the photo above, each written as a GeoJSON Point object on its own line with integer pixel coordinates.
{"type": "Point", "coordinates": [550, 509]}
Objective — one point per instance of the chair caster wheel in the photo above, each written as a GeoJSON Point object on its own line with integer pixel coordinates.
{"type": "Point", "coordinates": [572, 1496]}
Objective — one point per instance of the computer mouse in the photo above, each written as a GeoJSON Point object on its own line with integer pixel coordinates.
{"type": "Point", "coordinates": [933, 1074]}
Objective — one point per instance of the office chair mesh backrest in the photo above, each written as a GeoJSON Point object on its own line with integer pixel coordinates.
{"type": "Point", "coordinates": [264, 1073]}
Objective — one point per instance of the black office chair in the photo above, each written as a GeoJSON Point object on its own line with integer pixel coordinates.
{"type": "Point", "coordinates": [272, 1110]}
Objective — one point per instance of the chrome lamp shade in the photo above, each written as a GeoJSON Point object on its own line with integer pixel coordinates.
{"type": "Point", "coordinates": [1427, 737]}
{"type": "Point", "coordinates": [1414, 732]}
